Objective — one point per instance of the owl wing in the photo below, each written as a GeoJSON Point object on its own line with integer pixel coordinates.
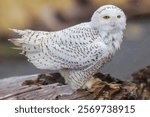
{"type": "Point", "coordinates": [72, 48]}
{"type": "Point", "coordinates": [75, 47]}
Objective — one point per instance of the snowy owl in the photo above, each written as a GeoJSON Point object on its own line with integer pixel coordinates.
{"type": "Point", "coordinates": [77, 52]}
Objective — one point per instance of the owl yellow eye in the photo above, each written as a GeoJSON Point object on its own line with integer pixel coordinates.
{"type": "Point", "coordinates": [118, 16]}
{"type": "Point", "coordinates": [106, 17]}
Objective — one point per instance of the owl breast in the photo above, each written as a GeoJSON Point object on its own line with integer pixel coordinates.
{"type": "Point", "coordinates": [111, 43]}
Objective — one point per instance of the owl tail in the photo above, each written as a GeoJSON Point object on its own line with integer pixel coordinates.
{"type": "Point", "coordinates": [30, 46]}
{"type": "Point", "coordinates": [17, 41]}
{"type": "Point", "coordinates": [26, 42]}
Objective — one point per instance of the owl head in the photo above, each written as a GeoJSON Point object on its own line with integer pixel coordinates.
{"type": "Point", "coordinates": [109, 18]}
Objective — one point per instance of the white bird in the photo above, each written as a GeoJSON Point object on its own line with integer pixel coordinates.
{"type": "Point", "coordinates": [77, 52]}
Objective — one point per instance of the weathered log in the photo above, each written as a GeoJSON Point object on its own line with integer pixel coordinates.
{"type": "Point", "coordinates": [51, 86]}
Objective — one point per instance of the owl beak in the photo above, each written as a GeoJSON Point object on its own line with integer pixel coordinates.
{"type": "Point", "coordinates": [113, 24]}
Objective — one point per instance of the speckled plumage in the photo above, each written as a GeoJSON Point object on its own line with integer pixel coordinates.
{"type": "Point", "coordinates": [77, 52]}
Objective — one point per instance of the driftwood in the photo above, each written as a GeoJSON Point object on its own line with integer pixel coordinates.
{"type": "Point", "coordinates": [51, 86]}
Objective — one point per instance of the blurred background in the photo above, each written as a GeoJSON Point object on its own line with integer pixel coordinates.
{"type": "Point", "coordinates": [52, 15]}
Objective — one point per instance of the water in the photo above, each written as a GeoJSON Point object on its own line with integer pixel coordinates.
{"type": "Point", "coordinates": [133, 55]}
{"type": "Point", "coordinates": [13, 67]}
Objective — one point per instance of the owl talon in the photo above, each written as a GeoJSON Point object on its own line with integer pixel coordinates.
{"type": "Point", "coordinates": [114, 86]}
{"type": "Point", "coordinates": [89, 84]}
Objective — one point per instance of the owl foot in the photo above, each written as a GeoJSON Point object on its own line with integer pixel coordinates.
{"type": "Point", "coordinates": [114, 86]}
{"type": "Point", "coordinates": [94, 82]}
{"type": "Point", "coordinates": [90, 83]}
